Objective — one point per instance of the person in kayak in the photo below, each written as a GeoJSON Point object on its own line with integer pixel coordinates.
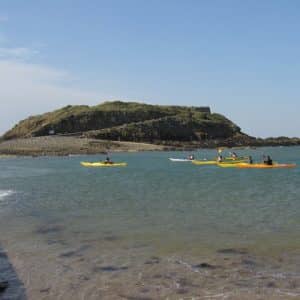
{"type": "Point", "coordinates": [268, 161]}
{"type": "Point", "coordinates": [220, 158]}
{"type": "Point", "coordinates": [107, 160]}
{"type": "Point", "coordinates": [234, 155]}
{"type": "Point", "coordinates": [250, 160]}
{"type": "Point", "coordinates": [191, 157]}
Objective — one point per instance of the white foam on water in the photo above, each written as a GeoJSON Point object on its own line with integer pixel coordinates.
{"type": "Point", "coordinates": [5, 193]}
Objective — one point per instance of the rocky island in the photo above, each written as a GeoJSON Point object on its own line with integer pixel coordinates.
{"type": "Point", "coordinates": [126, 126]}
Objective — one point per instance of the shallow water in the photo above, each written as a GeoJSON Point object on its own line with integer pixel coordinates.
{"type": "Point", "coordinates": [153, 230]}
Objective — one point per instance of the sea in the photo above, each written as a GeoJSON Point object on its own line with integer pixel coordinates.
{"type": "Point", "coordinates": [155, 229]}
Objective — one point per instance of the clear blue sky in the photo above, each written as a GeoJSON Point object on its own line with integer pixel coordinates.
{"type": "Point", "coordinates": [240, 57]}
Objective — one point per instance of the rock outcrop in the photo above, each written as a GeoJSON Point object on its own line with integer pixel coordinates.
{"type": "Point", "coordinates": [175, 127]}
{"type": "Point", "coordinates": [129, 121]}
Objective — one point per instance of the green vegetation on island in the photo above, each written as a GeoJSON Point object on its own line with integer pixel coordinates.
{"type": "Point", "coordinates": [129, 122]}
{"type": "Point", "coordinates": [127, 126]}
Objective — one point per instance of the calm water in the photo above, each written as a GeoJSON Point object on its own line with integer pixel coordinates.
{"type": "Point", "coordinates": [75, 233]}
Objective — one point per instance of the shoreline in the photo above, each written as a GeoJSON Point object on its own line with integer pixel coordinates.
{"type": "Point", "coordinates": [68, 145]}
{"type": "Point", "coordinates": [65, 146]}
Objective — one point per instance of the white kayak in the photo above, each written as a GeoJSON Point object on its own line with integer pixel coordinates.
{"type": "Point", "coordinates": [180, 159]}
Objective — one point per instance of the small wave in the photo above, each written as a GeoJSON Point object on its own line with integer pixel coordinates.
{"type": "Point", "coordinates": [5, 193]}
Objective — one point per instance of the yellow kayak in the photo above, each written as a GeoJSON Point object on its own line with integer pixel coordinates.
{"type": "Point", "coordinates": [257, 166]}
{"type": "Point", "coordinates": [236, 158]}
{"type": "Point", "coordinates": [264, 166]}
{"type": "Point", "coordinates": [215, 162]}
{"type": "Point", "coordinates": [204, 162]}
{"type": "Point", "coordinates": [102, 164]}
{"type": "Point", "coordinates": [228, 165]}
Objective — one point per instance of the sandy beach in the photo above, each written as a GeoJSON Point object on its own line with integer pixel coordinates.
{"type": "Point", "coordinates": [66, 145]}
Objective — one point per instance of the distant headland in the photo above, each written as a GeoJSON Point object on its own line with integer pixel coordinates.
{"type": "Point", "coordinates": [127, 126]}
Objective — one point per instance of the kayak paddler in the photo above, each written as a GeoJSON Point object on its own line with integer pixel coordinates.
{"type": "Point", "coordinates": [108, 160]}
{"type": "Point", "coordinates": [268, 161]}
{"type": "Point", "coordinates": [234, 155]}
{"type": "Point", "coordinates": [220, 157]}
{"type": "Point", "coordinates": [250, 160]}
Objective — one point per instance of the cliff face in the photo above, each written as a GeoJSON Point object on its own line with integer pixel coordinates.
{"type": "Point", "coordinates": [172, 128]}
{"type": "Point", "coordinates": [129, 122]}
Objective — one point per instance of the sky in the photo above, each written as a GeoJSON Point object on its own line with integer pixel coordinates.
{"type": "Point", "coordinates": [242, 58]}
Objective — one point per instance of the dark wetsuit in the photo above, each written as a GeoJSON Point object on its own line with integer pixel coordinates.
{"type": "Point", "coordinates": [269, 161]}
{"type": "Point", "coordinates": [107, 161]}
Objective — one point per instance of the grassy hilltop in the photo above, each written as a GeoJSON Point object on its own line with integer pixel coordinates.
{"type": "Point", "coordinates": [126, 126]}
{"type": "Point", "coordinates": [129, 121]}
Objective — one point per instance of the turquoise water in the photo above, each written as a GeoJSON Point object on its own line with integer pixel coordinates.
{"type": "Point", "coordinates": [151, 207]}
